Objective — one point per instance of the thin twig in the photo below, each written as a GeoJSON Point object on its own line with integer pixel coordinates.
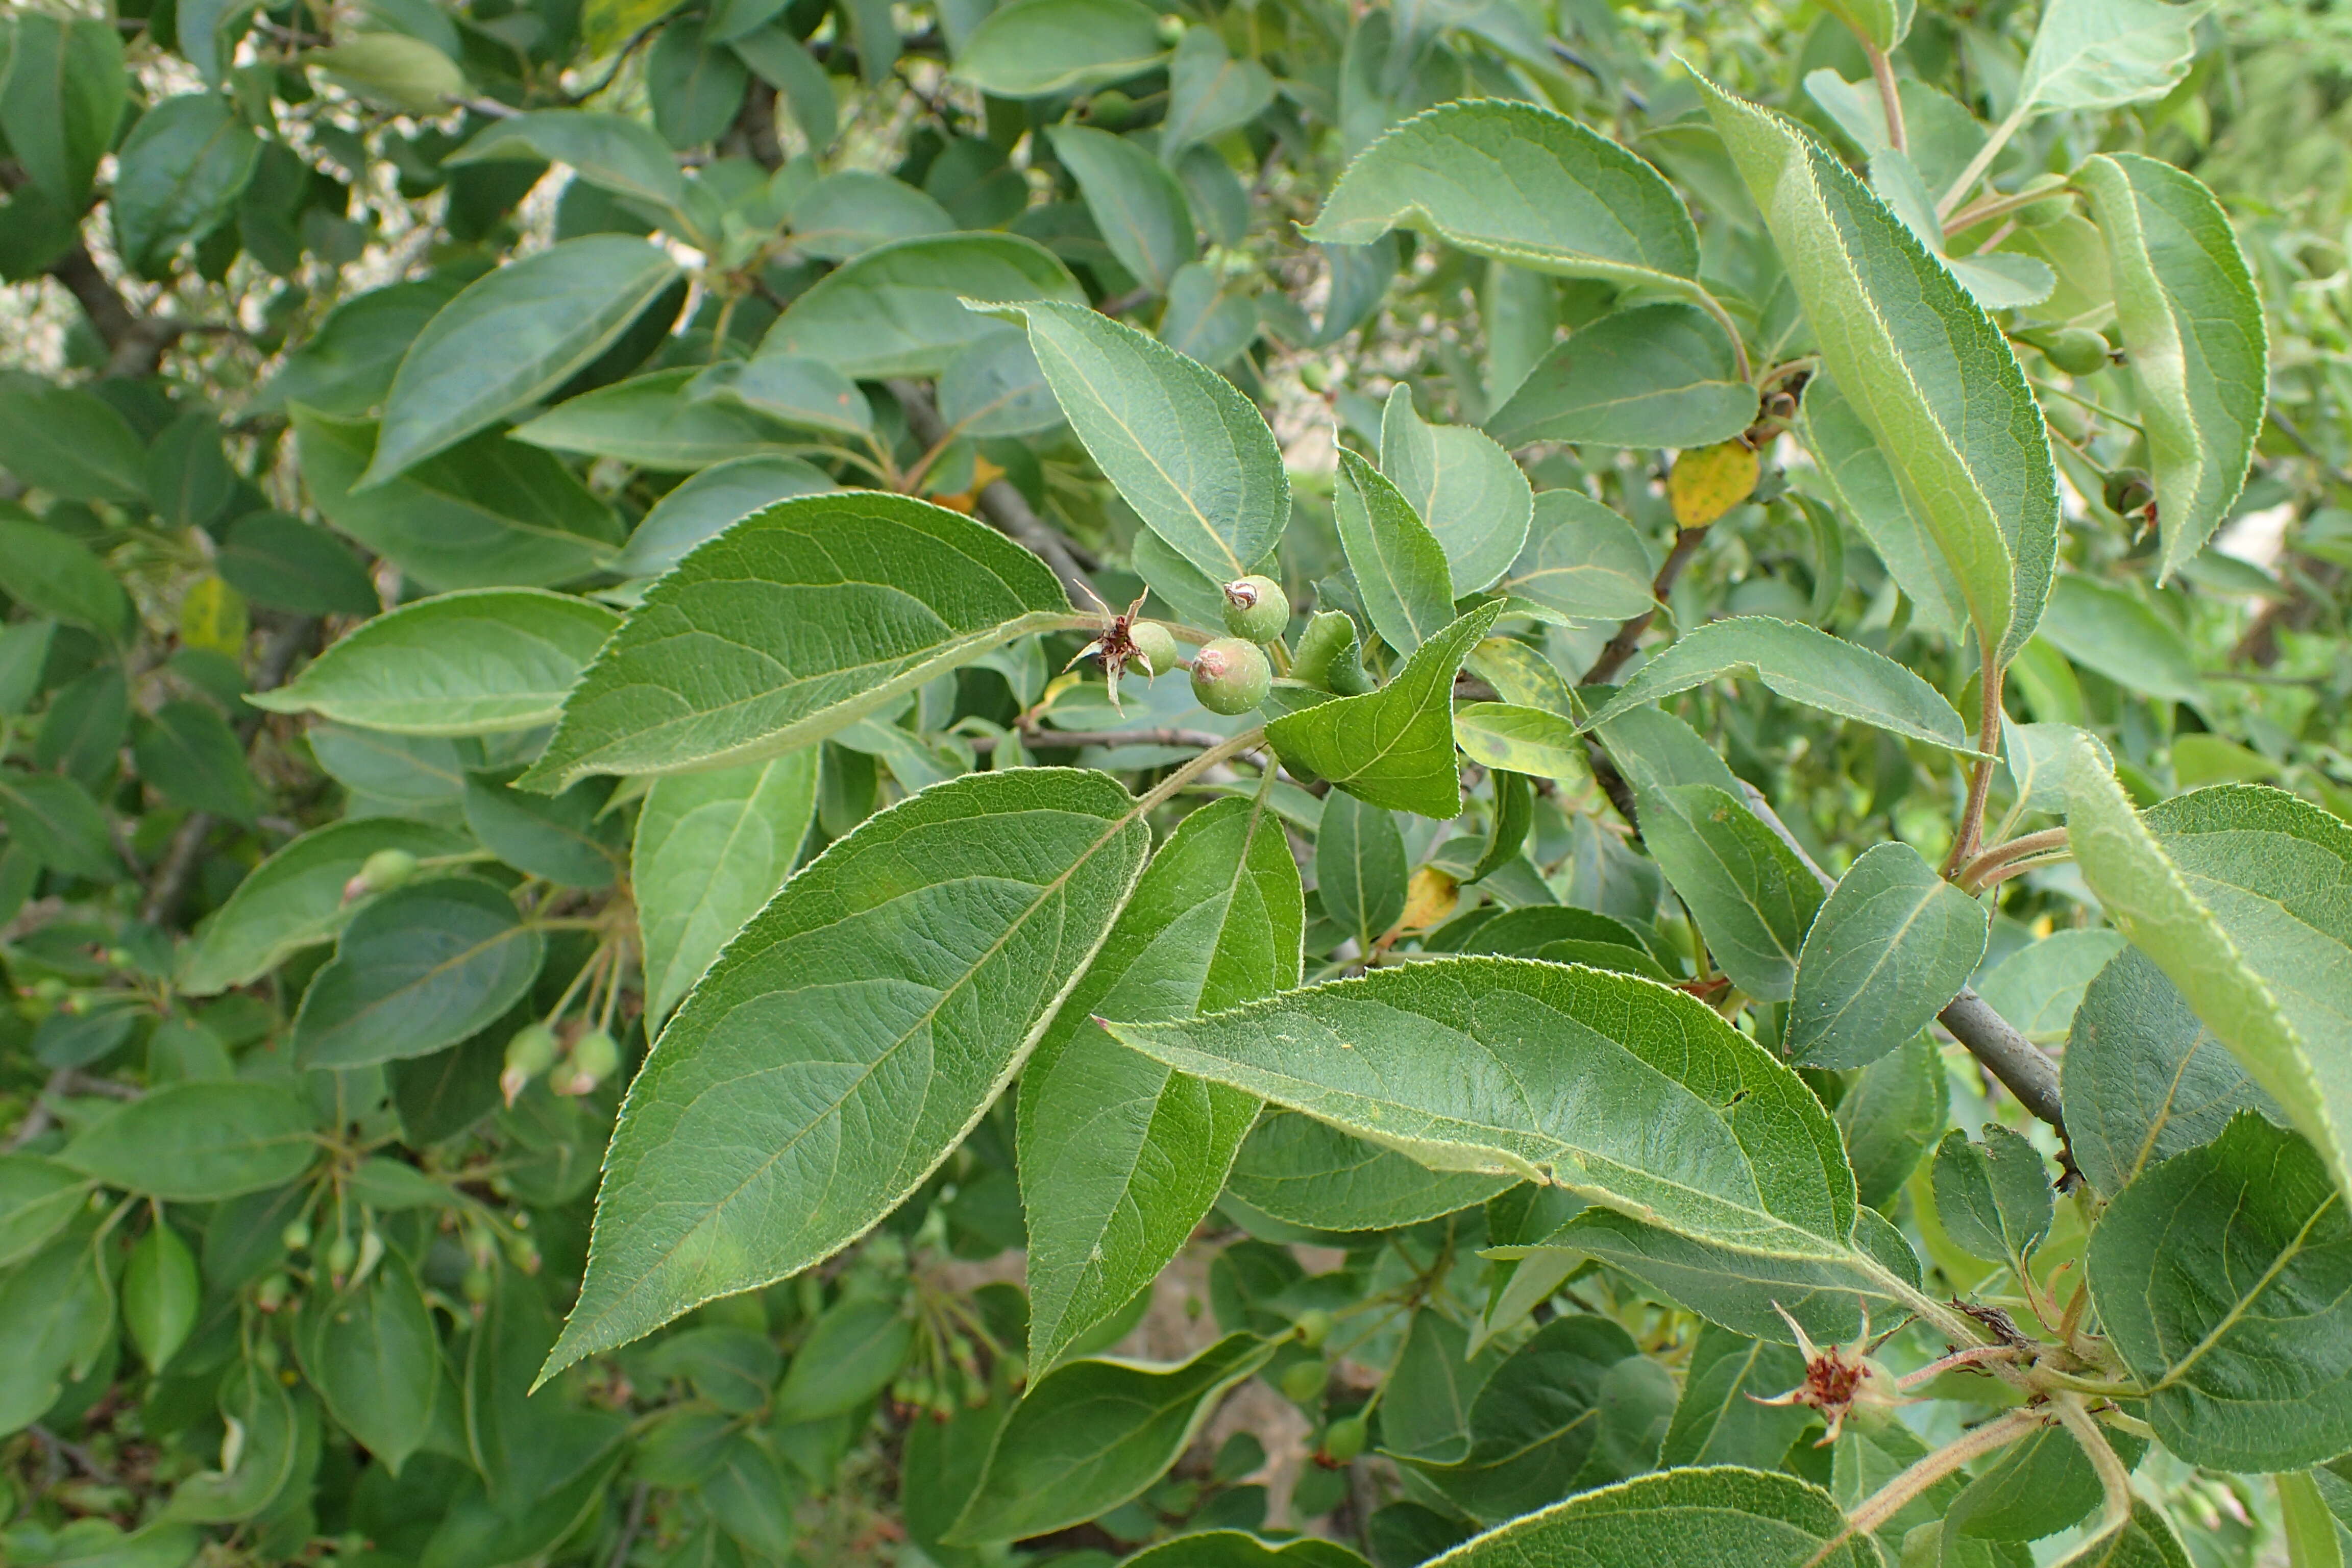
{"type": "Point", "coordinates": [1890, 96]}
{"type": "Point", "coordinates": [1891, 1499]}
{"type": "Point", "coordinates": [1970, 837]}
{"type": "Point", "coordinates": [1040, 738]}
{"type": "Point", "coordinates": [1629, 635]}
{"type": "Point", "coordinates": [84, 1460]}
{"type": "Point", "coordinates": [634, 1522]}
{"type": "Point", "coordinates": [1971, 875]}
{"type": "Point", "coordinates": [1002, 504]}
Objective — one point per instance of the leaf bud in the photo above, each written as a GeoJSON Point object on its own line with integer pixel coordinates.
{"type": "Point", "coordinates": [1328, 644]}
{"type": "Point", "coordinates": [1257, 608]}
{"type": "Point", "coordinates": [1230, 676]}
{"type": "Point", "coordinates": [381, 872]}
{"type": "Point", "coordinates": [2072, 349]}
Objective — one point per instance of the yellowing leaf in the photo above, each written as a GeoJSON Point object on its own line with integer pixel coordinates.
{"type": "Point", "coordinates": [1710, 481]}
{"type": "Point", "coordinates": [213, 618]}
{"type": "Point", "coordinates": [1429, 899]}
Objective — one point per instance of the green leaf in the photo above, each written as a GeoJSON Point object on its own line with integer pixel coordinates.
{"type": "Point", "coordinates": [1721, 1419]}
{"type": "Point", "coordinates": [851, 1354]}
{"type": "Point", "coordinates": [711, 849]}
{"type": "Point", "coordinates": [1892, 945]}
{"type": "Point", "coordinates": [611, 152]}
{"type": "Point", "coordinates": [1994, 1197]}
{"type": "Point", "coordinates": [2144, 1080]}
{"type": "Point", "coordinates": [2192, 332]}
{"type": "Point", "coordinates": [1711, 1515]}
{"type": "Point", "coordinates": [1092, 1434]}
{"type": "Point", "coordinates": [1661, 374]}
{"type": "Point", "coordinates": [160, 1295]}
{"type": "Point", "coordinates": [199, 1142]}
{"type": "Point", "coordinates": [897, 310]}
{"type": "Point", "coordinates": [2038, 987]}
{"type": "Point", "coordinates": [1466, 488]}
{"type": "Point", "coordinates": [1522, 740]}
{"type": "Point", "coordinates": [657, 422]}
{"type": "Point", "coordinates": [1394, 747]}
{"type": "Point", "coordinates": [346, 366]}
{"type": "Point", "coordinates": [1187, 450]}
{"type": "Point", "coordinates": [1309, 1173]}
{"type": "Point", "coordinates": [1858, 477]}
{"type": "Point", "coordinates": [71, 442]}
{"type": "Point", "coordinates": [2146, 1540]}
{"type": "Point", "coordinates": [1582, 561]}
{"type": "Point", "coordinates": [477, 663]}
{"type": "Point", "coordinates": [37, 1197]}
{"type": "Point", "coordinates": [53, 576]}
{"type": "Point", "coordinates": [295, 899]}
{"type": "Point", "coordinates": [2038, 1486]}
{"type": "Point", "coordinates": [794, 623]}
{"type": "Point", "coordinates": [2235, 893]}
{"type": "Point", "coordinates": [1882, 22]}
{"type": "Point", "coordinates": [551, 313]}
{"type": "Point", "coordinates": [192, 758]}
{"type": "Point", "coordinates": [178, 175]}
{"type": "Point", "coordinates": [1210, 93]}
{"type": "Point", "coordinates": [709, 504]}
{"type": "Point", "coordinates": [372, 1354]}
{"type": "Point", "coordinates": [918, 957]}
{"type": "Point", "coordinates": [1753, 898]}
{"type": "Point", "coordinates": [390, 70]}
{"type": "Point", "coordinates": [1616, 1089]}
{"type": "Point", "coordinates": [488, 514]}
{"type": "Point", "coordinates": [1238, 1547]}
{"type": "Point", "coordinates": [1359, 868]}
{"type": "Point", "coordinates": [1400, 567]}
{"type": "Point", "coordinates": [805, 393]}
{"type": "Point", "coordinates": [2219, 1276]}
{"type": "Point", "coordinates": [2106, 626]}
{"type": "Point", "coordinates": [1135, 201]}
{"type": "Point", "coordinates": [65, 94]}
{"type": "Point", "coordinates": [1120, 1158]}
{"type": "Point", "coordinates": [695, 86]}
{"type": "Point", "coordinates": [1804, 665]}
{"type": "Point", "coordinates": [1521, 184]}
{"type": "Point", "coordinates": [566, 838]}
{"type": "Point", "coordinates": [53, 819]}
{"type": "Point", "coordinates": [421, 967]}
{"type": "Point", "coordinates": [995, 387]}
{"type": "Point", "coordinates": [850, 212]}
{"type": "Point", "coordinates": [259, 1468]}
{"type": "Point", "coordinates": [1890, 1115]}
{"type": "Point", "coordinates": [1927, 370]}
{"type": "Point", "coordinates": [1033, 48]}
{"type": "Point", "coordinates": [2100, 54]}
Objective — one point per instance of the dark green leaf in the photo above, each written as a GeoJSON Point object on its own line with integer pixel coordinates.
{"type": "Point", "coordinates": [178, 176]}
{"type": "Point", "coordinates": [897, 310]}
{"type": "Point", "coordinates": [55, 820]}
{"type": "Point", "coordinates": [1753, 898]}
{"type": "Point", "coordinates": [1992, 1197]}
{"type": "Point", "coordinates": [1394, 747]}
{"type": "Point", "coordinates": [1892, 945]}
{"type": "Point", "coordinates": [373, 1356]}
{"type": "Point", "coordinates": [420, 968]}
{"type": "Point", "coordinates": [565, 838]}
{"type": "Point", "coordinates": [1655, 375]}
{"type": "Point", "coordinates": [1698, 1517]}
{"type": "Point", "coordinates": [1307, 1173]}
{"type": "Point", "coordinates": [1359, 868]}
{"type": "Point", "coordinates": [191, 757]}
{"type": "Point", "coordinates": [53, 576]}
{"type": "Point", "coordinates": [198, 1143]}
{"type": "Point", "coordinates": [1890, 1116]}
{"type": "Point", "coordinates": [1136, 202]}
{"type": "Point", "coordinates": [1720, 1418]}
{"type": "Point", "coordinates": [1400, 567]}
{"type": "Point", "coordinates": [709, 504]}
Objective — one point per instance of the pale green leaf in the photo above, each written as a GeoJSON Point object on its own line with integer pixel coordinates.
{"type": "Point", "coordinates": [1309, 1173]}
{"type": "Point", "coordinates": [1464, 487]}
{"type": "Point", "coordinates": [1582, 561]}
{"type": "Point", "coordinates": [609, 150]}
{"type": "Point", "coordinates": [851, 211]}
{"type": "Point", "coordinates": [2194, 345]}
{"type": "Point", "coordinates": [1992, 1197]}
{"type": "Point", "coordinates": [896, 983]}
{"type": "Point", "coordinates": [1522, 184]}
{"type": "Point", "coordinates": [473, 663]}
{"type": "Point", "coordinates": [1929, 374]}
{"type": "Point", "coordinates": [1892, 945]}
{"type": "Point", "coordinates": [1712, 1517]}
{"type": "Point", "coordinates": [37, 1197]}
{"type": "Point", "coordinates": [898, 310]}
{"type": "Point", "coordinates": [1120, 1158]}
{"type": "Point", "coordinates": [1033, 48]}
{"type": "Point", "coordinates": [1136, 203]}
{"type": "Point", "coordinates": [1661, 374]}
{"type": "Point", "coordinates": [1400, 566]}
{"type": "Point", "coordinates": [1753, 898]}
{"type": "Point", "coordinates": [794, 623]}
{"type": "Point", "coordinates": [1210, 92]}
{"type": "Point", "coordinates": [2106, 628]}
{"type": "Point", "coordinates": [1804, 665]}
{"type": "Point", "coordinates": [2099, 54]}
{"type": "Point", "coordinates": [711, 849]}
{"type": "Point", "coordinates": [1520, 740]}
{"type": "Point", "coordinates": [1394, 747]}
{"type": "Point", "coordinates": [1187, 450]}
{"type": "Point", "coordinates": [1857, 476]}
{"type": "Point", "coordinates": [711, 503]}
{"type": "Point", "coordinates": [1093, 1434]}
{"type": "Point", "coordinates": [661, 422]}
{"type": "Point", "coordinates": [551, 313]}
{"type": "Point", "coordinates": [2220, 1277]}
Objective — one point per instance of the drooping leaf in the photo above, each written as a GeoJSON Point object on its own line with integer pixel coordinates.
{"type": "Point", "coordinates": [551, 313]}
{"type": "Point", "coordinates": [1804, 665]}
{"type": "Point", "coordinates": [1721, 1419]}
{"type": "Point", "coordinates": [1927, 370]}
{"type": "Point", "coordinates": [295, 899]}
{"type": "Point", "coordinates": [898, 310]}
{"type": "Point", "coordinates": [609, 150]}
{"type": "Point", "coordinates": [1892, 945]}
{"type": "Point", "coordinates": [2099, 54]}
{"type": "Point", "coordinates": [160, 1295]}
{"type": "Point", "coordinates": [1400, 566]}
{"type": "Point", "coordinates": [1660, 374]}
{"type": "Point", "coordinates": [1394, 747]}
{"type": "Point", "coordinates": [1309, 1173]}
{"type": "Point", "coordinates": [188, 753]}
{"type": "Point", "coordinates": [1712, 1517]}
{"type": "Point", "coordinates": [926, 949]}
{"type": "Point", "coordinates": [2144, 1080]}
{"type": "Point", "coordinates": [469, 663]}
{"type": "Point", "coordinates": [372, 1354]}
{"type": "Point", "coordinates": [794, 623]}
{"type": "Point", "coordinates": [1210, 92]}
{"type": "Point", "coordinates": [711, 849]}
{"type": "Point", "coordinates": [2221, 1276]}
{"type": "Point", "coordinates": [566, 838]}
{"type": "Point", "coordinates": [199, 1142]}
{"type": "Point", "coordinates": [1993, 1196]}
{"type": "Point", "coordinates": [1119, 1157]}
{"type": "Point", "coordinates": [1754, 900]}
{"type": "Point", "coordinates": [37, 1197]}
{"type": "Point", "coordinates": [1093, 1434]}
{"type": "Point", "coordinates": [53, 819]}
{"type": "Point", "coordinates": [1522, 184]}
{"type": "Point", "coordinates": [1191, 455]}
{"type": "Point", "coordinates": [1137, 203]}
{"type": "Point", "coordinates": [2193, 339]}
{"type": "Point", "coordinates": [488, 512]}
{"type": "Point", "coordinates": [71, 442]}
{"type": "Point", "coordinates": [2235, 893]}
{"type": "Point", "coordinates": [346, 366]}
{"type": "Point", "coordinates": [848, 1356]}
{"type": "Point", "coordinates": [66, 93]}
{"type": "Point", "coordinates": [1582, 561]}
{"type": "Point", "coordinates": [1033, 48]}
{"type": "Point", "coordinates": [421, 967]}
{"type": "Point", "coordinates": [1466, 488]}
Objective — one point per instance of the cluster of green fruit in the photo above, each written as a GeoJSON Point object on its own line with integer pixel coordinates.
{"type": "Point", "coordinates": [1235, 673]}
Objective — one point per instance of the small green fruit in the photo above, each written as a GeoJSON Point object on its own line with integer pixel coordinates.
{"type": "Point", "coordinates": [1343, 1439]}
{"type": "Point", "coordinates": [530, 1052]}
{"type": "Point", "coordinates": [2072, 349]}
{"type": "Point", "coordinates": [595, 1056]}
{"type": "Point", "coordinates": [1155, 645]}
{"type": "Point", "coordinates": [1230, 676]}
{"type": "Point", "coordinates": [1314, 1327]}
{"type": "Point", "coordinates": [272, 1294]}
{"type": "Point", "coordinates": [1111, 109]}
{"type": "Point", "coordinates": [1304, 1382]}
{"type": "Point", "coordinates": [387, 868]}
{"type": "Point", "coordinates": [343, 1256]}
{"type": "Point", "coordinates": [2128, 491]}
{"type": "Point", "coordinates": [295, 1236]}
{"type": "Point", "coordinates": [1257, 608]}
